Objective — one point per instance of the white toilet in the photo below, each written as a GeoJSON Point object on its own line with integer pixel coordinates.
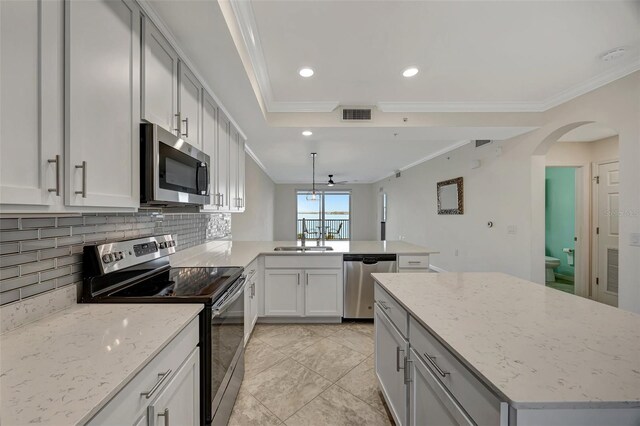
{"type": "Point", "coordinates": [550, 264]}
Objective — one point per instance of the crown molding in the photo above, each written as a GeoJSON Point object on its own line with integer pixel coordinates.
{"type": "Point", "coordinates": [460, 106]}
{"type": "Point", "coordinates": [431, 156]}
{"type": "Point", "coordinates": [592, 84]}
{"type": "Point", "coordinates": [303, 106]}
{"type": "Point", "coordinates": [552, 102]}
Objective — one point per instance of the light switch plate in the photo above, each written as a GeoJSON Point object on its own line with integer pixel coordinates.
{"type": "Point", "coordinates": [512, 229]}
{"type": "Point", "coordinates": [634, 240]}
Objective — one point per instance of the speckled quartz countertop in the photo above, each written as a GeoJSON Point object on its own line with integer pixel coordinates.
{"type": "Point", "coordinates": [241, 253]}
{"type": "Point", "coordinates": [62, 369]}
{"type": "Point", "coordinates": [533, 345]}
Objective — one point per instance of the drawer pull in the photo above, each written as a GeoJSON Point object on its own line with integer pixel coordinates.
{"type": "Point", "coordinates": [432, 360]}
{"type": "Point", "coordinates": [414, 262]}
{"type": "Point", "coordinates": [384, 305]}
{"type": "Point", "coordinates": [398, 367]}
{"type": "Point", "coordinates": [161, 378]}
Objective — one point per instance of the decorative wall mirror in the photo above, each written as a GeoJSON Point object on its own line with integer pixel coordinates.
{"type": "Point", "coordinates": [451, 196]}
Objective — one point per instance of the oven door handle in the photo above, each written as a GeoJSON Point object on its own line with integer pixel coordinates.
{"type": "Point", "coordinates": [217, 310]}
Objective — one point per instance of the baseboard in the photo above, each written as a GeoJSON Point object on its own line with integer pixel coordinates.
{"type": "Point", "coordinates": [299, 320]}
{"type": "Point", "coordinates": [435, 268]}
{"type": "Point", "coordinates": [565, 277]}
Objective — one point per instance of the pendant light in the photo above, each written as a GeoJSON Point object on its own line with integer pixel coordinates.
{"type": "Point", "coordinates": [313, 196]}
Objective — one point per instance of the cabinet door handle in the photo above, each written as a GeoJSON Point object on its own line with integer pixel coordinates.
{"type": "Point", "coordinates": [186, 127]}
{"type": "Point", "coordinates": [298, 278]}
{"type": "Point", "coordinates": [398, 350]}
{"type": "Point", "coordinates": [165, 414]}
{"type": "Point", "coordinates": [57, 188]}
{"type": "Point", "coordinates": [432, 360]}
{"type": "Point", "coordinates": [83, 166]}
{"type": "Point", "coordinates": [161, 378]}
{"type": "Point", "coordinates": [407, 370]}
{"type": "Point", "coordinates": [253, 290]}
{"type": "Point", "coordinates": [306, 278]}
{"type": "Point", "coordinates": [178, 121]}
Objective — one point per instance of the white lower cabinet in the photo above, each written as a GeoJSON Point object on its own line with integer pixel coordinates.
{"type": "Point", "coordinates": [178, 403]}
{"type": "Point", "coordinates": [251, 299]}
{"type": "Point", "coordinates": [413, 263]}
{"type": "Point", "coordinates": [423, 383]}
{"type": "Point", "coordinates": [323, 292]}
{"type": "Point", "coordinates": [283, 294]}
{"type": "Point", "coordinates": [166, 391]}
{"type": "Point", "coordinates": [429, 402]}
{"type": "Point", "coordinates": [390, 363]}
{"type": "Point", "coordinates": [303, 286]}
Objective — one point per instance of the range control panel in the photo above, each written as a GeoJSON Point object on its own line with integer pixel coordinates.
{"type": "Point", "coordinates": [123, 254]}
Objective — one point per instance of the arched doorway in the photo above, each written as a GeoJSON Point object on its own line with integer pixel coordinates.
{"type": "Point", "coordinates": [575, 183]}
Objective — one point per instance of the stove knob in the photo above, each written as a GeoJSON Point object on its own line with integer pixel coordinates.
{"type": "Point", "coordinates": [163, 245]}
{"type": "Point", "coordinates": [107, 258]}
{"type": "Point", "coordinates": [173, 243]}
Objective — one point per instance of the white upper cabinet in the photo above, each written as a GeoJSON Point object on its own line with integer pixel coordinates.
{"type": "Point", "coordinates": [159, 79]}
{"type": "Point", "coordinates": [31, 87]}
{"type": "Point", "coordinates": [222, 163]}
{"type": "Point", "coordinates": [102, 114]}
{"type": "Point", "coordinates": [241, 172]}
{"type": "Point", "coordinates": [234, 202]}
{"type": "Point", "coordinates": [209, 145]}
{"type": "Point", "coordinates": [190, 106]}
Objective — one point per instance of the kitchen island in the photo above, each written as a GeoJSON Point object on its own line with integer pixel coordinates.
{"type": "Point", "coordinates": [492, 348]}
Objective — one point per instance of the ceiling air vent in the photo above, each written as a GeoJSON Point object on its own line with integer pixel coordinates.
{"type": "Point", "coordinates": [356, 114]}
{"type": "Point", "coordinates": [481, 142]}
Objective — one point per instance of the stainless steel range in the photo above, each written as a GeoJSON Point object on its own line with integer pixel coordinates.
{"type": "Point", "coordinates": [138, 271]}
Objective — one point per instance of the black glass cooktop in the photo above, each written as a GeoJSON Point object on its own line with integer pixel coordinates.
{"type": "Point", "coordinates": [181, 284]}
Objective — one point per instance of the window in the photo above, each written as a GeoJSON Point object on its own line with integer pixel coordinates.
{"type": "Point", "coordinates": [329, 217]}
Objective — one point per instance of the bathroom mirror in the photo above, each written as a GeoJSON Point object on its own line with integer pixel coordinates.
{"type": "Point", "coordinates": [450, 196]}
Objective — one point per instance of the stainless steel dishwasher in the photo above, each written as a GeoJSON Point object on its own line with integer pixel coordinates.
{"type": "Point", "coordinates": [358, 284]}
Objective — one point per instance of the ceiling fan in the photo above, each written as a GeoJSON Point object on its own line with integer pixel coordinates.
{"type": "Point", "coordinates": [331, 182]}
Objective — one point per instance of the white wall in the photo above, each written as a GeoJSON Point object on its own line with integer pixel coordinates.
{"type": "Point", "coordinates": [256, 222]}
{"type": "Point", "coordinates": [509, 190]}
{"type": "Point", "coordinates": [363, 216]}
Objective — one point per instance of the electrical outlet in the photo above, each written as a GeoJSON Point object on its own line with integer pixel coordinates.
{"type": "Point", "coordinates": [634, 239]}
{"type": "Point", "coordinates": [512, 229]}
{"type": "Point", "coordinates": [456, 252]}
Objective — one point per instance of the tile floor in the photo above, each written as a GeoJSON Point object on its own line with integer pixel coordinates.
{"type": "Point", "coordinates": [315, 374]}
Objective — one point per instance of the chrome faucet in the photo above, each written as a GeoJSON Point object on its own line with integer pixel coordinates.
{"type": "Point", "coordinates": [304, 231]}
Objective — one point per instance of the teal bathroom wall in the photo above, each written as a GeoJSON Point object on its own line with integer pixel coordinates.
{"type": "Point", "coordinates": [560, 208]}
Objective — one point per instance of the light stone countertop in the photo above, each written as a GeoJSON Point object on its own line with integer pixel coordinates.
{"type": "Point", "coordinates": [62, 369]}
{"type": "Point", "coordinates": [242, 253]}
{"type": "Point", "coordinates": [535, 346]}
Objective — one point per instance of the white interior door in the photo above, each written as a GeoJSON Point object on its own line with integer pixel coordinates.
{"type": "Point", "coordinates": [606, 239]}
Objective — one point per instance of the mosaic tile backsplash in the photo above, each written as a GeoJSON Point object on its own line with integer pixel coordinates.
{"type": "Point", "coordinates": [39, 254]}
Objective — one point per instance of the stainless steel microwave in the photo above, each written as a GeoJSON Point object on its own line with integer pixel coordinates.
{"type": "Point", "coordinates": [172, 172]}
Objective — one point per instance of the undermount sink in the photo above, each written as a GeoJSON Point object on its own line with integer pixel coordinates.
{"type": "Point", "coordinates": [303, 248]}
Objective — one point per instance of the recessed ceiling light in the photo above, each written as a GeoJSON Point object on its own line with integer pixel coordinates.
{"type": "Point", "coordinates": [613, 54]}
{"type": "Point", "coordinates": [410, 72]}
{"type": "Point", "coordinates": [307, 133]}
{"type": "Point", "coordinates": [305, 72]}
